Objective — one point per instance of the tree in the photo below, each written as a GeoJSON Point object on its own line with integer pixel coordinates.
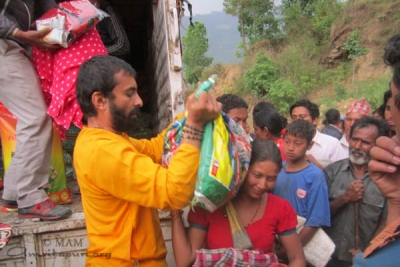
{"type": "Point", "coordinates": [256, 17]}
{"type": "Point", "coordinates": [234, 8]}
{"type": "Point", "coordinates": [259, 20]}
{"type": "Point", "coordinates": [303, 4]}
{"type": "Point", "coordinates": [260, 76]}
{"type": "Point", "coordinates": [195, 45]}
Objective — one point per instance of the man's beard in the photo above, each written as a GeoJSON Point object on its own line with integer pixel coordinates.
{"type": "Point", "coordinates": [359, 160]}
{"type": "Point", "coordinates": [121, 122]}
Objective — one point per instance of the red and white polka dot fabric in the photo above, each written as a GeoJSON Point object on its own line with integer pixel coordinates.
{"type": "Point", "coordinates": [58, 73]}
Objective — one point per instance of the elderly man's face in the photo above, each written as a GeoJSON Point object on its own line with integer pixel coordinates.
{"type": "Point", "coordinates": [351, 117]}
{"type": "Point", "coordinates": [361, 142]}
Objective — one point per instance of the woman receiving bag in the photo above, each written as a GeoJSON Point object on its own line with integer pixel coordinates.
{"type": "Point", "coordinates": [242, 232]}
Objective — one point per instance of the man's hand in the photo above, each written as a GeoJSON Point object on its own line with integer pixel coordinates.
{"type": "Point", "coordinates": [355, 192]}
{"type": "Point", "coordinates": [202, 110]}
{"type": "Point", "coordinates": [384, 167]}
{"type": "Point", "coordinates": [35, 38]}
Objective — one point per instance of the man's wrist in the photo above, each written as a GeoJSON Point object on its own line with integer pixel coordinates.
{"type": "Point", "coordinates": [14, 32]}
{"type": "Point", "coordinates": [345, 199]}
{"type": "Point", "coordinates": [197, 125]}
{"type": "Point", "coordinates": [17, 34]}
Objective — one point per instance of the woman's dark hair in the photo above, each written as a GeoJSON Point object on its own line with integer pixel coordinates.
{"type": "Point", "coordinates": [380, 110]}
{"type": "Point", "coordinates": [284, 121]}
{"type": "Point", "coordinates": [270, 119]}
{"type": "Point", "coordinates": [263, 105]}
{"type": "Point", "coordinates": [332, 116]}
{"type": "Point", "coordinates": [386, 96]}
{"type": "Point", "coordinates": [98, 75]}
{"type": "Point", "coordinates": [392, 58]}
{"type": "Point", "coordinates": [263, 149]}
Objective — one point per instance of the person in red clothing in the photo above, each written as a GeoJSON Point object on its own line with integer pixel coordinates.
{"type": "Point", "coordinates": [261, 215]}
{"type": "Point", "coordinates": [267, 124]}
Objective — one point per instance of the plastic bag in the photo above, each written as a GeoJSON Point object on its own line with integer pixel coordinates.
{"type": "Point", "coordinates": [69, 20]}
{"type": "Point", "coordinates": [57, 34]}
{"type": "Point", "coordinates": [57, 188]}
{"type": "Point", "coordinates": [224, 158]}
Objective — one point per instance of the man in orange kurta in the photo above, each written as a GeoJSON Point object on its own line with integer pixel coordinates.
{"type": "Point", "coordinates": [121, 180]}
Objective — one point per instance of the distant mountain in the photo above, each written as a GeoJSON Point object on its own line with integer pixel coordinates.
{"type": "Point", "coordinates": [222, 33]}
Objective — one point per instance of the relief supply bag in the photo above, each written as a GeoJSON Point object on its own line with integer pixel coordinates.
{"type": "Point", "coordinates": [224, 157]}
{"type": "Point", "coordinates": [224, 160]}
{"type": "Point", "coordinates": [56, 189]}
{"type": "Point", "coordinates": [69, 20]}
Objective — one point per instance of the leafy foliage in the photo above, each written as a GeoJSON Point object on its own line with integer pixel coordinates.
{"type": "Point", "coordinates": [256, 18]}
{"type": "Point", "coordinates": [260, 77]}
{"type": "Point", "coordinates": [195, 45]}
{"type": "Point", "coordinates": [312, 18]}
{"type": "Point", "coordinates": [283, 93]}
{"type": "Point", "coordinates": [302, 61]}
{"type": "Point", "coordinates": [304, 4]}
{"type": "Point", "coordinates": [353, 47]}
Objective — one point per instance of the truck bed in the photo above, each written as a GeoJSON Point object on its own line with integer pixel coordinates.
{"type": "Point", "coordinates": [61, 243]}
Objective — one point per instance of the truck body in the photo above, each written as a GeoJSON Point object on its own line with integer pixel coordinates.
{"type": "Point", "coordinates": [152, 27]}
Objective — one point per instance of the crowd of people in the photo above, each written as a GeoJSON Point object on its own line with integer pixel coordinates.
{"type": "Point", "coordinates": [344, 179]}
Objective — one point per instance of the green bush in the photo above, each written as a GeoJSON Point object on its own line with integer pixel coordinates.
{"type": "Point", "coordinates": [372, 90]}
{"type": "Point", "coordinates": [296, 65]}
{"type": "Point", "coordinates": [282, 94]}
{"type": "Point", "coordinates": [260, 76]}
{"type": "Point", "coordinates": [353, 46]}
{"type": "Point", "coordinates": [325, 12]}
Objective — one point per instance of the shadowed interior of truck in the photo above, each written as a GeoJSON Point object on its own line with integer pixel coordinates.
{"type": "Point", "coordinates": [137, 18]}
{"type": "Point", "coordinates": [153, 56]}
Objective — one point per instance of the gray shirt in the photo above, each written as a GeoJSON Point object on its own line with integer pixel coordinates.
{"type": "Point", "coordinates": [20, 13]}
{"type": "Point", "coordinates": [372, 208]}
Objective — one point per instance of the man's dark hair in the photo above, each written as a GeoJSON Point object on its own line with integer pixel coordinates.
{"type": "Point", "coordinates": [270, 119]}
{"type": "Point", "coordinates": [311, 107]}
{"type": "Point", "coordinates": [332, 116]}
{"type": "Point", "coordinates": [230, 101]}
{"type": "Point", "coordinates": [262, 150]}
{"type": "Point", "coordinates": [382, 125]}
{"type": "Point", "coordinates": [97, 75]}
{"type": "Point", "coordinates": [302, 129]}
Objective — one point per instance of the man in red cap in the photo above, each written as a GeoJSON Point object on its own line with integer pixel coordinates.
{"type": "Point", "coordinates": [360, 108]}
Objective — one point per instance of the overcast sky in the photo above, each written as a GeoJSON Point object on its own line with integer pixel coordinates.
{"type": "Point", "coordinates": [206, 6]}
